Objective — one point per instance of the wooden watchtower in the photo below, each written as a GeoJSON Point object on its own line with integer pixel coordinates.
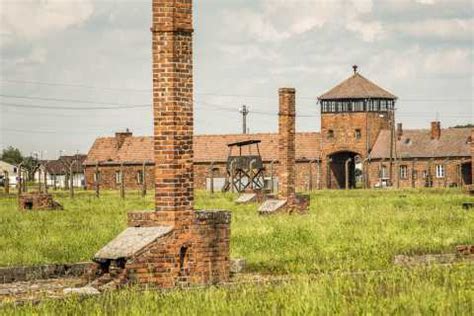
{"type": "Point", "coordinates": [244, 170]}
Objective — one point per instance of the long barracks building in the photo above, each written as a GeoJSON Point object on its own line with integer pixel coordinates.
{"type": "Point", "coordinates": [359, 146]}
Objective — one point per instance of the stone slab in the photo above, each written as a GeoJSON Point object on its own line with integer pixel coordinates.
{"type": "Point", "coordinates": [131, 241]}
{"type": "Point", "coordinates": [82, 291]}
{"type": "Point", "coordinates": [246, 198]}
{"type": "Point", "coordinates": [271, 206]}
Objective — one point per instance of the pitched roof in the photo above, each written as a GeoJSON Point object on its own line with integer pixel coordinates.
{"type": "Point", "coordinates": [58, 167]}
{"type": "Point", "coordinates": [356, 87]}
{"type": "Point", "coordinates": [207, 148]}
{"type": "Point", "coordinates": [418, 144]}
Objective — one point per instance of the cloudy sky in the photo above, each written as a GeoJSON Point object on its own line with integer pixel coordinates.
{"type": "Point", "coordinates": [90, 55]}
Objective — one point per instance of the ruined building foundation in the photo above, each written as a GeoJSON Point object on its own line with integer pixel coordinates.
{"type": "Point", "coordinates": [174, 245]}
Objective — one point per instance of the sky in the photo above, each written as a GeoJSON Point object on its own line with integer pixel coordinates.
{"type": "Point", "coordinates": [74, 70]}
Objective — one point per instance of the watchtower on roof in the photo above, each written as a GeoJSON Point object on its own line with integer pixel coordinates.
{"type": "Point", "coordinates": [352, 115]}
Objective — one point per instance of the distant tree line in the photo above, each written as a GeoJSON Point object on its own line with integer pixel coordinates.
{"type": "Point", "coordinates": [464, 126]}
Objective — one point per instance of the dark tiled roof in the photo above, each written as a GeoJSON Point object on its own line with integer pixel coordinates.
{"type": "Point", "coordinates": [207, 148]}
{"type": "Point", "coordinates": [418, 144]}
{"type": "Point", "coordinates": [356, 87]}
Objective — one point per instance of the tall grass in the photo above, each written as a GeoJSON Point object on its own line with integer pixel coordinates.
{"type": "Point", "coordinates": [356, 230]}
{"type": "Point", "coordinates": [423, 291]}
{"type": "Point", "coordinates": [344, 231]}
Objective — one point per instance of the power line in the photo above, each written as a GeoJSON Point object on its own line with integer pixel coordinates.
{"type": "Point", "coordinates": [62, 100]}
{"type": "Point", "coordinates": [48, 107]}
{"type": "Point", "coordinates": [410, 99]}
{"type": "Point", "coordinates": [56, 84]}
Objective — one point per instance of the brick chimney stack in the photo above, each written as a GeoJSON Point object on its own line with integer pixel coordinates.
{"type": "Point", "coordinates": [399, 131]}
{"type": "Point", "coordinates": [122, 136]}
{"type": "Point", "coordinates": [435, 130]}
{"type": "Point", "coordinates": [172, 33]}
{"type": "Point", "coordinates": [286, 145]}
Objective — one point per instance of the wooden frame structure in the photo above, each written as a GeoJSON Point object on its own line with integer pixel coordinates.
{"type": "Point", "coordinates": [244, 171]}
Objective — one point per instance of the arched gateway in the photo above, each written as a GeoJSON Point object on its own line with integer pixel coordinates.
{"type": "Point", "coordinates": [342, 171]}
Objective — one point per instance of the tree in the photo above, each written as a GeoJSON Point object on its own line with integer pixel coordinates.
{"type": "Point", "coordinates": [464, 126]}
{"type": "Point", "coordinates": [12, 155]}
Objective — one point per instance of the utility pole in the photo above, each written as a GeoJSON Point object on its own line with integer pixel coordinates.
{"type": "Point", "coordinates": [244, 111]}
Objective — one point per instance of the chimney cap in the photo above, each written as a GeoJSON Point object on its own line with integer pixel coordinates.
{"type": "Point", "coordinates": [355, 67]}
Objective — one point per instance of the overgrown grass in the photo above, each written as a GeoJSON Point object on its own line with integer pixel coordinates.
{"type": "Point", "coordinates": [344, 231]}
{"type": "Point", "coordinates": [424, 291]}
{"type": "Point", "coordinates": [356, 230]}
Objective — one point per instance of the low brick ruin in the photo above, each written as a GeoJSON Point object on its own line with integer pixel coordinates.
{"type": "Point", "coordinates": [173, 245]}
{"type": "Point", "coordinates": [287, 199]}
{"type": "Point", "coordinates": [37, 201]}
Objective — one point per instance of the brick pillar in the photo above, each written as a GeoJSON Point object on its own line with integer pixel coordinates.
{"type": "Point", "coordinates": [286, 144]}
{"type": "Point", "coordinates": [173, 110]}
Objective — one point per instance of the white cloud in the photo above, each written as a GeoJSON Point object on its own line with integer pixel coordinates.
{"type": "Point", "coordinates": [452, 61]}
{"type": "Point", "coordinates": [282, 19]}
{"type": "Point", "coordinates": [460, 29]}
{"type": "Point", "coordinates": [35, 18]}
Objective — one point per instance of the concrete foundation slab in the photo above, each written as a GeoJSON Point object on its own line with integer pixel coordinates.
{"type": "Point", "coordinates": [246, 198]}
{"type": "Point", "coordinates": [271, 206]}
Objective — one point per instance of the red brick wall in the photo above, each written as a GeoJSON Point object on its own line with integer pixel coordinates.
{"type": "Point", "coordinates": [453, 175]}
{"type": "Point", "coordinates": [206, 260]}
{"type": "Point", "coordinates": [344, 126]}
{"type": "Point", "coordinates": [107, 177]}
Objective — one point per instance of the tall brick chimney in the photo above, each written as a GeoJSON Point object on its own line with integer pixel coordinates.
{"type": "Point", "coordinates": [286, 144]}
{"type": "Point", "coordinates": [399, 131]}
{"type": "Point", "coordinates": [175, 245]}
{"type": "Point", "coordinates": [122, 136]}
{"type": "Point", "coordinates": [435, 130]}
{"type": "Point", "coordinates": [173, 109]}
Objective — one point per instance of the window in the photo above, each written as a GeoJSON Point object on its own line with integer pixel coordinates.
{"type": "Point", "coordinates": [358, 106]}
{"type": "Point", "coordinates": [15, 170]}
{"type": "Point", "coordinates": [330, 134]}
{"type": "Point", "coordinates": [140, 177]}
{"type": "Point", "coordinates": [424, 174]}
{"type": "Point", "coordinates": [414, 174]}
{"type": "Point", "coordinates": [118, 177]}
{"type": "Point", "coordinates": [358, 134]}
{"type": "Point", "coordinates": [403, 172]}
{"type": "Point", "coordinates": [439, 171]}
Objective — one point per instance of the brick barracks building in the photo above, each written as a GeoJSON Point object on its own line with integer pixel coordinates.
{"type": "Point", "coordinates": [359, 146]}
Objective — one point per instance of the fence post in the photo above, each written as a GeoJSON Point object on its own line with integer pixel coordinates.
{"type": "Point", "coordinates": [347, 172]}
{"type": "Point", "coordinates": [144, 179]}
{"type": "Point", "coordinates": [122, 184]}
{"type": "Point", "coordinates": [7, 182]}
{"type": "Point", "coordinates": [97, 175]}
{"type": "Point", "coordinates": [71, 180]}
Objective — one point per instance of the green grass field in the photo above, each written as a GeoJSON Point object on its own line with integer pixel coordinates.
{"type": "Point", "coordinates": [344, 232]}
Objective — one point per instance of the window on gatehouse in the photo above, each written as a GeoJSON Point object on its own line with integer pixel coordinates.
{"type": "Point", "coordinates": [358, 133]}
{"type": "Point", "coordinates": [330, 134]}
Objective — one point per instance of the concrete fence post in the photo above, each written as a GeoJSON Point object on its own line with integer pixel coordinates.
{"type": "Point", "coordinates": [6, 182]}
{"type": "Point", "coordinates": [122, 184]}
{"type": "Point", "coordinates": [97, 180]}
{"type": "Point", "coordinates": [144, 179]}
{"type": "Point", "coordinates": [347, 172]}
{"type": "Point", "coordinates": [71, 180]}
